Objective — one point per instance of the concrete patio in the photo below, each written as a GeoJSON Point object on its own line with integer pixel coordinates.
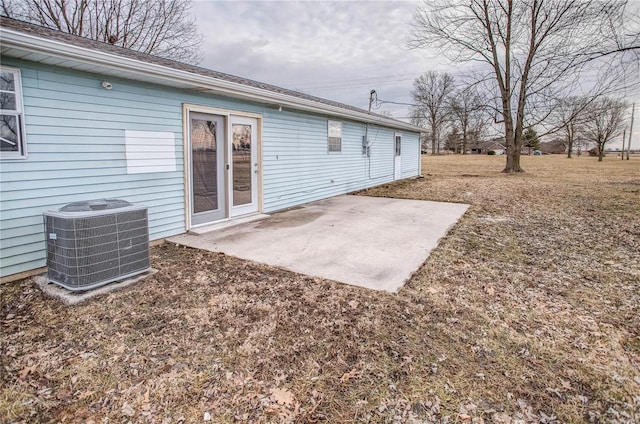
{"type": "Point", "coordinates": [372, 242]}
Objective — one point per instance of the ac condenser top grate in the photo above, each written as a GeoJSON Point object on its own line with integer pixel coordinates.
{"type": "Point", "coordinates": [90, 244]}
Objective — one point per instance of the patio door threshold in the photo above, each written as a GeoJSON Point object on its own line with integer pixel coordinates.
{"type": "Point", "coordinates": [226, 223]}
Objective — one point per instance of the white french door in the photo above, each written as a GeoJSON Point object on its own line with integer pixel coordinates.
{"type": "Point", "coordinates": [206, 165]}
{"type": "Point", "coordinates": [397, 157]}
{"type": "Point", "coordinates": [243, 165]}
{"type": "Point", "coordinates": [222, 166]}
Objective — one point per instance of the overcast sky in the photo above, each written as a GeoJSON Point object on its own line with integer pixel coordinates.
{"type": "Point", "coordinates": [336, 50]}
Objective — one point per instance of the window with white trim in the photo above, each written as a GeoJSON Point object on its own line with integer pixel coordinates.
{"type": "Point", "coordinates": [12, 141]}
{"type": "Point", "coordinates": [334, 139]}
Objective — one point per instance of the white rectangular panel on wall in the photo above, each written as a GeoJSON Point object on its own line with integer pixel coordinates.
{"type": "Point", "coordinates": [150, 151]}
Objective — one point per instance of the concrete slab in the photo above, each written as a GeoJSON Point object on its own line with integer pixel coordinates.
{"type": "Point", "coordinates": [370, 242]}
{"type": "Point", "coordinates": [226, 224]}
{"type": "Point", "coordinates": [69, 297]}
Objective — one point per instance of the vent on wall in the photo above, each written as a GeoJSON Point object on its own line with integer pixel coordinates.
{"type": "Point", "coordinates": [90, 244]}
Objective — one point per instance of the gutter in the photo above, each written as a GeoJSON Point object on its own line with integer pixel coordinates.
{"type": "Point", "coordinates": [18, 40]}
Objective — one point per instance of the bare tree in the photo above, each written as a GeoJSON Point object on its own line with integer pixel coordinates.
{"type": "Point", "coordinates": [466, 110]}
{"type": "Point", "coordinates": [534, 48]}
{"type": "Point", "coordinates": [431, 93]}
{"type": "Point", "coordinates": [453, 140]}
{"type": "Point", "coordinates": [605, 119]}
{"type": "Point", "coordinates": [163, 28]}
{"type": "Point", "coordinates": [568, 117]}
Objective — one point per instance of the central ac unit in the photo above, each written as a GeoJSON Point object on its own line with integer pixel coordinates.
{"type": "Point", "coordinates": [90, 244]}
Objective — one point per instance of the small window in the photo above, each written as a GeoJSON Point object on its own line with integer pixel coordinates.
{"type": "Point", "coordinates": [334, 131]}
{"type": "Point", "coordinates": [12, 142]}
{"type": "Point", "coordinates": [398, 145]}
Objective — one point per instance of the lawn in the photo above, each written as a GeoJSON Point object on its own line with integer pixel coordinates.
{"type": "Point", "coordinates": [528, 311]}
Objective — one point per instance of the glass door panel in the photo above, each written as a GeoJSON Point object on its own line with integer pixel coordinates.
{"type": "Point", "coordinates": [242, 169]}
{"type": "Point", "coordinates": [207, 168]}
{"type": "Point", "coordinates": [244, 165]}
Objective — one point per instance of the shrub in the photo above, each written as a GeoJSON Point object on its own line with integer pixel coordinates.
{"type": "Point", "coordinates": [491, 152]}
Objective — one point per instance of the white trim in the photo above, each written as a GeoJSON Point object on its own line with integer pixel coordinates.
{"type": "Point", "coordinates": [227, 115]}
{"type": "Point", "coordinates": [329, 122]}
{"type": "Point", "coordinates": [217, 111]}
{"type": "Point", "coordinates": [397, 158]}
{"type": "Point", "coordinates": [19, 114]}
{"type": "Point", "coordinates": [254, 166]}
{"type": "Point", "coordinates": [27, 42]}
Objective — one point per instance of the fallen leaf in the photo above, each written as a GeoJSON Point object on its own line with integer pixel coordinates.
{"type": "Point", "coordinates": [282, 396]}
{"type": "Point", "coordinates": [25, 372]}
{"type": "Point", "coordinates": [85, 395]}
{"type": "Point", "coordinates": [128, 410]}
{"type": "Point", "coordinates": [63, 396]}
{"type": "Point", "coordinates": [353, 304]}
{"type": "Point", "coordinates": [464, 417]}
{"type": "Point", "coordinates": [501, 418]}
{"type": "Point", "coordinates": [349, 375]}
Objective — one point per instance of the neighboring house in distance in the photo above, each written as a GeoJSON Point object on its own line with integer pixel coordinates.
{"type": "Point", "coordinates": [553, 147]}
{"type": "Point", "coordinates": [492, 145]}
{"type": "Point", "coordinates": [85, 120]}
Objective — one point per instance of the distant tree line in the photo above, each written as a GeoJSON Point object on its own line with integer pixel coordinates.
{"type": "Point", "coordinates": [530, 57]}
{"type": "Point", "coordinates": [457, 119]}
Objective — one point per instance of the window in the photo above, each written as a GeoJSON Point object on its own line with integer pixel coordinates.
{"type": "Point", "coordinates": [12, 143]}
{"type": "Point", "coordinates": [398, 144]}
{"type": "Point", "coordinates": [334, 130]}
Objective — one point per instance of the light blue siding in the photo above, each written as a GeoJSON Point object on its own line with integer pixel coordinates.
{"type": "Point", "coordinates": [76, 151]}
{"type": "Point", "coordinates": [75, 133]}
{"type": "Point", "coordinates": [410, 154]}
{"type": "Point", "coordinates": [298, 169]}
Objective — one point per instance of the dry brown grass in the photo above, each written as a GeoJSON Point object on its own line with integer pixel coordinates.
{"type": "Point", "coordinates": [528, 310]}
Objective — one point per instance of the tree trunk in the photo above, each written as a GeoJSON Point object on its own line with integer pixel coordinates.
{"type": "Point", "coordinates": [513, 148]}
{"type": "Point", "coordinates": [433, 139]}
{"type": "Point", "coordinates": [570, 148]}
{"type": "Point", "coordinates": [464, 140]}
{"type": "Point", "coordinates": [600, 153]}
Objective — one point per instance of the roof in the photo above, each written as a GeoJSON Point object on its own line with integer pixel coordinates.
{"type": "Point", "coordinates": [487, 145]}
{"type": "Point", "coordinates": [36, 43]}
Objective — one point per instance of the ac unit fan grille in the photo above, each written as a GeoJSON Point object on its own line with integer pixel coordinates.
{"type": "Point", "coordinates": [88, 251]}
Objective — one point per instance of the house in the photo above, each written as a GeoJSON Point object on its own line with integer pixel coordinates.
{"type": "Point", "coordinates": [553, 147]}
{"type": "Point", "coordinates": [86, 120]}
{"type": "Point", "coordinates": [494, 145]}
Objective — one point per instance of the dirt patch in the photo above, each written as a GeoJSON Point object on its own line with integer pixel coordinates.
{"type": "Point", "coordinates": [527, 312]}
{"type": "Point", "coordinates": [292, 218]}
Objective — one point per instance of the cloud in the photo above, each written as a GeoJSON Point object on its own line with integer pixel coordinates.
{"type": "Point", "coordinates": [336, 50]}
